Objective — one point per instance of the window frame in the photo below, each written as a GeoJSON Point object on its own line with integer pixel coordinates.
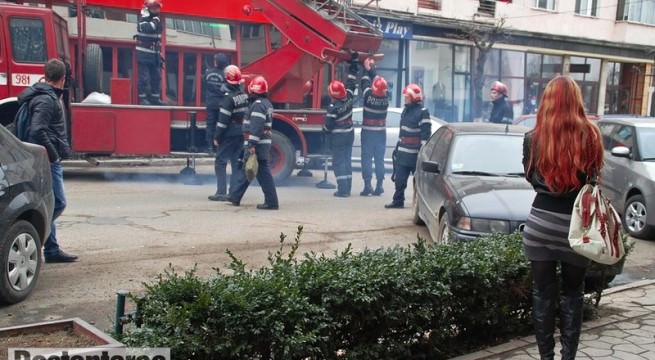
{"type": "Point", "coordinates": [591, 11]}
{"type": "Point", "coordinates": [550, 5]}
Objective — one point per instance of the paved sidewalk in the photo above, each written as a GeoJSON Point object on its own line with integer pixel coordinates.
{"type": "Point", "coordinates": [627, 334]}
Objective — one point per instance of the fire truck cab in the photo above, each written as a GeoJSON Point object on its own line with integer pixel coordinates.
{"type": "Point", "coordinates": [29, 36]}
{"type": "Point", "coordinates": [310, 38]}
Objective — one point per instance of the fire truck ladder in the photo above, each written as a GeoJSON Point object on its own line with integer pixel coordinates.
{"type": "Point", "coordinates": [322, 28]}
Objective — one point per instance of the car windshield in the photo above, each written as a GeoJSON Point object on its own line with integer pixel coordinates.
{"type": "Point", "coordinates": [646, 140]}
{"type": "Point", "coordinates": [487, 155]}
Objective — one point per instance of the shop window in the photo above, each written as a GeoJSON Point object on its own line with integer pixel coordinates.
{"type": "Point", "coordinates": [587, 77]}
{"type": "Point", "coordinates": [27, 40]}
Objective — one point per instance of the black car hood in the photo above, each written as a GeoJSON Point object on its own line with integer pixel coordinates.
{"type": "Point", "coordinates": [493, 197]}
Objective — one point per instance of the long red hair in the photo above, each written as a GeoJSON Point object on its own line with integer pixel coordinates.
{"type": "Point", "coordinates": [566, 142]}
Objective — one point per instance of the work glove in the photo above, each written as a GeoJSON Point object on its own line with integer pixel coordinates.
{"type": "Point", "coordinates": [247, 151]}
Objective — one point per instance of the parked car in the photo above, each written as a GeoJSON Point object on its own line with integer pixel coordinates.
{"type": "Point", "coordinates": [469, 182]}
{"type": "Point", "coordinates": [530, 120]}
{"type": "Point", "coordinates": [26, 206]}
{"type": "Point", "coordinates": [393, 128]}
{"type": "Point", "coordinates": [628, 177]}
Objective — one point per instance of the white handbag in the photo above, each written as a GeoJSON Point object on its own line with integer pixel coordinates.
{"type": "Point", "coordinates": [596, 231]}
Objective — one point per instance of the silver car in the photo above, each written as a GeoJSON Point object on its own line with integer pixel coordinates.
{"type": "Point", "coordinates": [393, 128]}
{"type": "Point", "coordinates": [628, 177]}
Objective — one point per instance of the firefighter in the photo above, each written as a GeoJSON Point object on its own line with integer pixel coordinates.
{"type": "Point", "coordinates": [415, 130]}
{"type": "Point", "coordinates": [501, 111]}
{"type": "Point", "coordinates": [374, 128]}
{"type": "Point", "coordinates": [228, 137]}
{"type": "Point", "coordinates": [148, 46]}
{"type": "Point", "coordinates": [339, 127]}
{"type": "Point", "coordinates": [214, 82]}
{"type": "Point", "coordinates": [257, 127]}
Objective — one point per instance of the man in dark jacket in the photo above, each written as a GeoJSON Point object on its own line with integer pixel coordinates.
{"type": "Point", "coordinates": [339, 126]}
{"type": "Point", "coordinates": [48, 129]}
{"type": "Point", "coordinates": [258, 126]}
{"type": "Point", "coordinates": [229, 133]}
{"type": "Point", "coordinates": [374, 128]}
{"type": "Point", "coordinates": [415, 130]}
{"type": "Point", "coordinates": [501, 111]}
{"type": "Point", "coordinates": [148, 46]}
{"type": "Point", "coordinates": [214, 82]}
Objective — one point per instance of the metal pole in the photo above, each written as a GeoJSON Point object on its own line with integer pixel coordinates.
{"type": "Point", "coordinates": [120, 310]}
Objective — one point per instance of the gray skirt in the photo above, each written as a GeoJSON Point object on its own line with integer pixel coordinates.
{"type": "Point", "coordinates": [546, 238]}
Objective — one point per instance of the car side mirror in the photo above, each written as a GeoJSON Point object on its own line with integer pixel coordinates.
{"type": "Point", "coordinates": [621, 151]}
{"type": "Point", "coordinates": [431, 167]}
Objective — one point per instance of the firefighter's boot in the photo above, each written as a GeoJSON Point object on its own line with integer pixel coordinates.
{"type": "Point", "coordinates": [143, 99]}
{"type": "Point", "coordinates": [342, 188]}
{"type": "Point", "coordinates": [368, 190]}
{"type": "Point", "coordinates": [155, 100]}
{"type": "Point", "coordinates": [379, 190]}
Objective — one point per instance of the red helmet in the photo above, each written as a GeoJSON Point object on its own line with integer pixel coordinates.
{"type": "Point", "coordinates": [258, 85]}
{"type": "Point", "coordinates": [414, 92]}
{"type": "Point", "coordinates": [336, 89]}
{"type": "Point", "coordinates": [232, 74]}
{"type": "Point", "coordinates": [499, 87]}
{"type": "Point", "coordinates": [307, 87]}
{"type": "Point", "coordinates": [151, 3]}
{"type": "Point", "coordinates": [379, 86]}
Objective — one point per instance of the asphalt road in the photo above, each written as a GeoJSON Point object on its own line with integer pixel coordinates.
{"type": "Point", "coordinates": [129, 224]}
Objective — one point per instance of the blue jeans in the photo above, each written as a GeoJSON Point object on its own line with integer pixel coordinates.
{"type": "Point", "coordinates": [51, 247]}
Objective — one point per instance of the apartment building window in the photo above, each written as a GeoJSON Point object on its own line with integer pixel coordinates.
{"type": "Point", "coordinates": [586, 7]}
{"type": "Point", "coordinates": [544, 4]}
{"type": "Point", "coordinates": [487, 7]}
{"type": "Point", "coordinates": [642, 11]}
{"type": "Point", "coordinates": [430, 4]}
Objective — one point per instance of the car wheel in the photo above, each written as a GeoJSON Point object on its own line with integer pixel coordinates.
{"type": "Point", "coordinates": [416, 218]}
{"type": "Point", "coordinates": [443, 237]}
{"type": "Point", "coordinates": [634, 217]}
{"type": "Point", "coordinates": [20, 261]}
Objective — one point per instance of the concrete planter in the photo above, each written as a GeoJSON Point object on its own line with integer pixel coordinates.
{"type": "Point", "coordinates": [75, 326]}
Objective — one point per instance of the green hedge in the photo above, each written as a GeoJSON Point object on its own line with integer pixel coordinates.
{"type": "Point", "coordinates": [418, 302]}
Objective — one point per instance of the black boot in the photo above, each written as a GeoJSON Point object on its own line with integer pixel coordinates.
{"type": "Point", "coordinates": [378, 189]}
{"type": "Point", "coordinates": [342, 188]}
{"type": "Point", "coordinates": [543, 318]}
{"type": "Point", "coordinates": [570, 323]}
{"type": "Point", "coordinates": [395, 205]}
{"type": "Point", "coordinates": [217, 197]}
{"type": "Point", "coordinates": [368, 189]}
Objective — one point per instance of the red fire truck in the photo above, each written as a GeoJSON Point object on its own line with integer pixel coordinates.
{"type": "Point", "coordinates": [312, 37]}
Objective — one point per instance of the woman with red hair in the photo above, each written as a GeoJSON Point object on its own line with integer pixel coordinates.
{"type": "Point", "coordinates": [562, 153]}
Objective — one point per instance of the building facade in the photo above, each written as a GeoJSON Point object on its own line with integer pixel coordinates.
{"type": "Point", "coordinates": [608, 47]}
